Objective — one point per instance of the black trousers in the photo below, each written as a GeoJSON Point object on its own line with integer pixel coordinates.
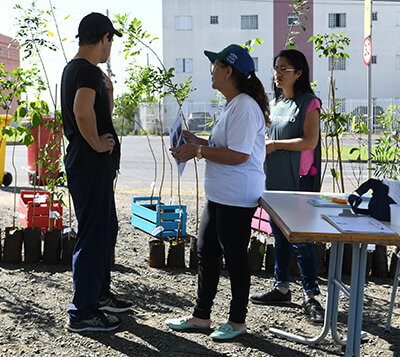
{"type": "Point", "coordinates": [223, 230]}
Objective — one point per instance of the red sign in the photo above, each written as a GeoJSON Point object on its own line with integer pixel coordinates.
{"type": "Point", "coordinates": [367, 51]}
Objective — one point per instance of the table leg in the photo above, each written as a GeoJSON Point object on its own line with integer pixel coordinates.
{"type": "Point", "coordinates": [337, 277]}
{"type": "Point", "coordinates": [359, 257]}
{"type": "Point", "coordinates": [330, 309]}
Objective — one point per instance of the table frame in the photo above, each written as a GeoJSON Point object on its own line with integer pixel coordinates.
{"type": "Point", "coordinates": [328, 233]}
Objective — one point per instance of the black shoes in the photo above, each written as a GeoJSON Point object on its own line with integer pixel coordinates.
{"type": "Point", "coordinates": [313, 309]}
{"type": "Point", "coordinates": [98, 321]}
{"type": "Point", "coordinates": [271, 297]}
{"type": "Point", "coordinates": [111, 303]}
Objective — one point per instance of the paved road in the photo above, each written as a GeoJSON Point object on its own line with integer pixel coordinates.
{"type": "Point", "coordinates": [137, 167]}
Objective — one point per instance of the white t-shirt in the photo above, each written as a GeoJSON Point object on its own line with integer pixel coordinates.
{"type": "Point", "coordinates": [240, 127]}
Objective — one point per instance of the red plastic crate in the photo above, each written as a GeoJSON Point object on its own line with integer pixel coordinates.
{"type": "Point", "coordinates": [26, 206]}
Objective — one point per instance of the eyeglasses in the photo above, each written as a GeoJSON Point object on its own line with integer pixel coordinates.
{"type": "Point", "coordinates": [282, 69]}
{"type": "Point", "coordinates": [213, 67]}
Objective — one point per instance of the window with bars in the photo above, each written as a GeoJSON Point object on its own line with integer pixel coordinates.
{"type": "Point", "coordinates": [337, 20]}
{"type": "Point", "coordinates": [183, 23]}
{"type": "Point", "coordinates": [255, 59]}
{"type": "Point", "coordinates": [374, 16]}
{"type": "Point", "coordinates": [292, 18]}
{"type": "Point", "coordinates": [373, 59]}
{"type": "Point", "coordinates": [184, 65]}
{"type": "Point", "coordinates": [249, 22]}
{"type": "Point", "coordinates": [214, 20]}
{"type": "Point", "coordinates": [340, 64]}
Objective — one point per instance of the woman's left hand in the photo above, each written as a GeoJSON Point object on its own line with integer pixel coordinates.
{"type": "Point", "coordinates": [269, 146]}
{"type": "Point", "coordinates": [184, 152]}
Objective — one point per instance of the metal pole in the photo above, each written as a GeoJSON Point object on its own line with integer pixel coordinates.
{"type": "Point", "coordinates": [370, 109]}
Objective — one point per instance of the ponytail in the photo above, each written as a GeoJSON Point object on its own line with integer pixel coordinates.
{"type": "Point", "coordinates": [254, 88]}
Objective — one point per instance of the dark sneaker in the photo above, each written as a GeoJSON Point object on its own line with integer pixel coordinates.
{"type": "Point", "coordinates": [271, 297]}
{"type": "Point", "coordinates": [98, 321]}
{"type": "Point", "coordinates": [314, 310]}
{"type": "Point", "coordinates": [111, 303]}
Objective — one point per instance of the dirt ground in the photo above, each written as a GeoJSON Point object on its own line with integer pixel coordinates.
{"type": "Point", "coordinates": [34, 299]}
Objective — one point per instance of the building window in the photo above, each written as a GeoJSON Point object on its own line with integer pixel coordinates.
{"type": "Point", "coordinates": [183, 23]}
{"type": "Point", "coordinates": [184, 65]}
{"type": "Point", "coordinates": [255, 59]}
{"type": "Point", "coordinates": [340, 64]}
{"type": "Point", "coordinates": [373, 59]}
{"type": "Point", "coordinates": [398, 19]}
{"type": "Point", "coordinates": [292, 19]}
{"type": "Point", "coordinates": [214, 20]}
{"type": "Point", "coordinates": [398, 62]}
{"type": "Point", "coordinates": [8, 54]}
{"type": "Point", "coordinates": [337, 20]}
{"type": "Point", "coordinates": [1, 51]}
{"type": "Point", "coordinates": [374, 16]}
{"type": "Point", "coordinates": [249, 22]}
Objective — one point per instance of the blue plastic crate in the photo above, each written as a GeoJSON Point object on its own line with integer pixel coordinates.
{"type": "Point", "coordinates": [147, 217]}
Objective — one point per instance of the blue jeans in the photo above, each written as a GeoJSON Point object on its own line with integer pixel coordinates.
{"type": "Point", "coordinates": [305, 254]}
{"type": "Point", "coordinates": [93, 197]}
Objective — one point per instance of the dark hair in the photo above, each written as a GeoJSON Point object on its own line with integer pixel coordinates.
{"type": "Point", "coordinates": [299, 62]}
{"type": "Point", "coordinates": [89, 39]}
{"type": "Point", "coordinates": [253, 87]}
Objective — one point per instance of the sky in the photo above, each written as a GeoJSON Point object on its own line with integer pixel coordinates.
{"type": "Point", "coordinates": [148, 11]}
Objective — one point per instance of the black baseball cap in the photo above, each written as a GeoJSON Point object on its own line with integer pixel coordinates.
{"type": "Point", "coordinates": [96, 24]}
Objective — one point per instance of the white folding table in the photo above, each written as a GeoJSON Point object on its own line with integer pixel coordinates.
{"type": "Point", "coordinates": [302, 222]}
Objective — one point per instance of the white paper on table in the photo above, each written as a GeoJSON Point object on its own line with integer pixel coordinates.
{"type": "Point", "coordinates": [358, 224]}
{"type": "Point", "coordinates": [176, 139]}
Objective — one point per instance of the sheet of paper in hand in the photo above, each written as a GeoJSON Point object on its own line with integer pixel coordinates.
{"type": "Point", "coordinates": [176, 139]}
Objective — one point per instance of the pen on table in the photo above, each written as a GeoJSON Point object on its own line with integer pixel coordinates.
{"type": "Point", "coordinates": [376, 225]}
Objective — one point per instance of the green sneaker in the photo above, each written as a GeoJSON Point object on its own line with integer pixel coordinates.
{"type": "Point", "coordinates": [225, 332]}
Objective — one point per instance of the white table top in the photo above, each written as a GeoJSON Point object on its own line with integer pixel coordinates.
{"type": "Point", "coordinates": [302, 222]}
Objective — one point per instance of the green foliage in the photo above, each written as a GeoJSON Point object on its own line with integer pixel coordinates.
{"type": "Point", "coordinates": [387, 147]}
{"type": "Point", "coordinates": [32, 30]}
{"type": "Point", "coordinates": [331, 45]}
{"type": "Point", "coordinates": [299, 9]}
{"type": "Point", "coordinates": [33, 36]}
{"type": "Point", "coordinates": [249, 44]}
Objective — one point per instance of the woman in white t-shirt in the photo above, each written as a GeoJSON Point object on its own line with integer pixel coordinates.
{"type": "Point", "coordinates": [234, 181]}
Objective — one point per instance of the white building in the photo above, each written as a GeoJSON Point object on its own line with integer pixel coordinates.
{"type": "Point", "coordinates": [191, 26]}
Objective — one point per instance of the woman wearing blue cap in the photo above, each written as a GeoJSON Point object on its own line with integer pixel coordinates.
{"type": "Point", "coordinates": [234, 181]}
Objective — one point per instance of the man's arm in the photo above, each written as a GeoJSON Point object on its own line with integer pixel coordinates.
{"type": "Point", "coordinates": [86, 120]}
{"type": "Point", "coordinates": [110, 90]}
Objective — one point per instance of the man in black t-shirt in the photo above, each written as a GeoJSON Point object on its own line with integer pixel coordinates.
{"type": "Point", "coordinates": [92, 159]}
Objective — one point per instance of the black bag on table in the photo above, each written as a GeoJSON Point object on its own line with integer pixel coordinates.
{"type": "Point", "coordinates": [378, 206]}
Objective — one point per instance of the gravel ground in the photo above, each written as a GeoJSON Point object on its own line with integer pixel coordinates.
{"type": "Point", "coordinates": [34, 299]}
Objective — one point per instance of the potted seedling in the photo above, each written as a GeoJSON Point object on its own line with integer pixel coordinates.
{"type": "Point", "coordinates": [52, 160]}
{"type": "Point", "coordinates": [13, 84]}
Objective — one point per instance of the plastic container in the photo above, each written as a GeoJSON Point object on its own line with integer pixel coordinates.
{"type": "Point", "coordinates": [42, 137]}
{"type": "Point", "coordinates": [5, 177]}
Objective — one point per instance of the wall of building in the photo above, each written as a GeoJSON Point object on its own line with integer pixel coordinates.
{"type": "Point", "coordinates": [206, 36]}
{"type": "Point", "coordinates": [350, 84]}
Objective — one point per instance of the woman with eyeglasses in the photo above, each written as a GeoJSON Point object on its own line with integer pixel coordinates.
{"type": "Point", "coordinates": [234, 181]}
{"type": "Point", "coordinates": [293, 163]}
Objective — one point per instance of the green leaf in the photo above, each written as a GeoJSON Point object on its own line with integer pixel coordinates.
{"type": "Point", "coordinates": [364, 128]}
